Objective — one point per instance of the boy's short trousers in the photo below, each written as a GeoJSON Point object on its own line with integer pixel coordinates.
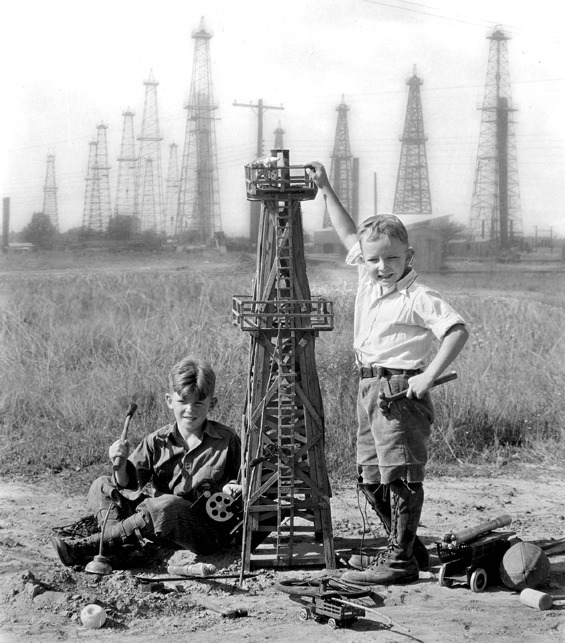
{"type": "Point", "coordinates": [393, 447]}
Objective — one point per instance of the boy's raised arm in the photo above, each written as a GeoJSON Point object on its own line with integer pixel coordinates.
{"type": "Point", "coordinates": [341, 221]}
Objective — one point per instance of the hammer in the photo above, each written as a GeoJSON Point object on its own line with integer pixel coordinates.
{"type": "Point", "coordinates": [230, 613]}
{"type": "Point", "coordinates": [440, 380]}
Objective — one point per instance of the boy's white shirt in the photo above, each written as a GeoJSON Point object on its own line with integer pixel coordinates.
{"type": "Point", "coordinates": [396, 328]}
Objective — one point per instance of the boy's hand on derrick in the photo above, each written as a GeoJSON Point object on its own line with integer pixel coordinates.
{"type": "Point", "coordinates": [119, 450]}
{"type": "Point", "coordinates": [317, 173]}
{"type": "Point", "coordinates": [233, 490]}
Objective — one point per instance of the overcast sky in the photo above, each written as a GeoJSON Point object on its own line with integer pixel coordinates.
{"type": "Point", "coordinates": [70, 65]}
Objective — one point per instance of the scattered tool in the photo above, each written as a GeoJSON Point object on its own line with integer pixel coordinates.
{"type": "Point", "coordinates": [224, 613]}
{"type": "Point", "coordinates": [448, 377]}
{"type": "Point", "coordinates": [539, 600]}
{"type": "Point", "coordinates": [553, 547]}
{"type": "Point", "coordinates": [464, 535]}
{"type": "Point", "coordinates": [156, 579]}
{"type": "Point", "coordinates": [196, 569]}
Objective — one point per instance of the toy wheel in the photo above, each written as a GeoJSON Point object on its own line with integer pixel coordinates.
{"type": "Point", "coordinates": [479, 580]}
{"type": "Point", "coordinates": [304, 614]}
{"type": "Point", "coordinates": [442, 580]}
{"type": "Point", "coordinates": [332, 623]}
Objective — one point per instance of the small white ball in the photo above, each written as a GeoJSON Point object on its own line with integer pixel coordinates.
{"type": "Point", "coordinates": [93, 616]}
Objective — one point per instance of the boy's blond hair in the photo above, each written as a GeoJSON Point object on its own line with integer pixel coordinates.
{"type": "Point", "coordinates": [192, 376]}
{"type": "Point", "coordinates": [378, 224]}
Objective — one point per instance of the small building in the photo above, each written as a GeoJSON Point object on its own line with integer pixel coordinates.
{"type": "Point", "coordinates": [18, 247]}
{"type": "Point", "coordinates": [423, 231]}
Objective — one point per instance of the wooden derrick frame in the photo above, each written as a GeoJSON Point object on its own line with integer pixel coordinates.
{"type": "Point", "coordinates": [286, 487]}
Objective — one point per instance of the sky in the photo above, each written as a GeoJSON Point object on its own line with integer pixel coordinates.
{"type": "Point", "coordinates": [69, 65]}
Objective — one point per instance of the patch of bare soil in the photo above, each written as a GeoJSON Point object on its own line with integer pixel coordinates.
{"type": "Point", "coordinates": [40, 600]}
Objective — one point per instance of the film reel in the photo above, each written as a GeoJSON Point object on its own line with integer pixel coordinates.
{"type": "Point", "coordinates": [219, 507]}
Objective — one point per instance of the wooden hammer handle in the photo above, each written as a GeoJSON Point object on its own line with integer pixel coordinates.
{"type": "Point", "coordinates": [132, 408]}
{"type": "Point", "coordinates": [440, 380]}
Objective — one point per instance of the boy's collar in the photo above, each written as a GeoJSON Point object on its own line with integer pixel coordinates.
{"type": "Point", "coordinates": [405, 282]}
{"type": "Point", "coordinates": [207, 427]}
{"type": "Point", "coordinates": [401, 285]}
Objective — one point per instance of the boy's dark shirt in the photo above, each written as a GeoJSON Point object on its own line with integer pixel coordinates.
{"type": "Point", "coordinates": [162, 459]}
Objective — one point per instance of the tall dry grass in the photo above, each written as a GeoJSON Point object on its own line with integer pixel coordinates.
{"type": "Point", "coordinates": [76, 349]}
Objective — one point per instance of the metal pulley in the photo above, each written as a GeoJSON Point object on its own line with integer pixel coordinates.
{"type": "Point", "coordinates": [219, 506]}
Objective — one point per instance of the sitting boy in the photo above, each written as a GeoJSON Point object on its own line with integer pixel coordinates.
{"type": "Point", "coordinates": [190, 453]}
{"type": "Point", "coordinates": [396, 321]}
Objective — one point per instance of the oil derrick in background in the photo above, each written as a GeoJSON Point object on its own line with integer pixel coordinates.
{"type": "Point", "coordinates": [172, 191]}
{"type": "Point", "coordinates": [286, 488]}
{"type": "Point", "coordinates": [199, 216]}
{"type": "Point", "coordinates": [149, 199]}
{"type": "Point", "coordinates": [344, 172]}
{"type": "Point", "coordinates": [279, 137]}
{"type": "Point", "coordinates": [91, 216]}
{"type": "Point", "coordinates": [102, 173]}
{"type": "Point", "coordinates": [97, 205]}
{"type": "Point", "coordinates": [495, 207]}
{"type": "Point", "coordinates": [412, 194]}
{"type": "Point", "coordinates": [127, 168]}
{"type": "Point", "coordinates": [50, 208]}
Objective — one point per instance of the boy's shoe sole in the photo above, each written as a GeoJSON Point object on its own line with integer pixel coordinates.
{"type": "Point", "coordinates": [62, 551]}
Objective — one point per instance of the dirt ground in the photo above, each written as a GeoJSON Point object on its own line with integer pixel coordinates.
{"type": "Point", "coordinates": [40, 600]}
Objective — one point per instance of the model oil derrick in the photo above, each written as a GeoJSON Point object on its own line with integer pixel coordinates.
{"type": "Point", "coordinates": [286, 487]}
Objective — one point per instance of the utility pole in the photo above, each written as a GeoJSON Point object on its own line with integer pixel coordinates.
{"type": "Point", "coordinates": [254, 206]}
{"type": "Point", "coordinates": [496, 218]}
{"type": "Point", "coordinates": [412, 194]}
{"type": "Point", "coordinates": [50, 208]}
{"type": "Point", "coordinates": [199, 216]}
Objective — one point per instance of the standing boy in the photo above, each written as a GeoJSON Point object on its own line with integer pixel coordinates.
{"type": "Point", "coordinates": [395, 324]}
{"type": "Point", "coordinates": [189, 454]}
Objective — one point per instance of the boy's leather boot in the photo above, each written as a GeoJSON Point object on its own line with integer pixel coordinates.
{"type": "Point", "coordinates": [378, 496]}
{"type": "Point", "coordinates": [81, 550]}
{"type": "Point", "coordinates": [397, 564]}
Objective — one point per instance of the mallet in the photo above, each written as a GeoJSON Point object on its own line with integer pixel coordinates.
{"type": "Point", "coordinates": [539, 600]}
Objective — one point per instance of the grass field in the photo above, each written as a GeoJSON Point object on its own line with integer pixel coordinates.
{"type": "Point", "coordinates": [78, 346]}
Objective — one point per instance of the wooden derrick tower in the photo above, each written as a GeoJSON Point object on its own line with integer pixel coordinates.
{"type": "Point", "coordinates": [287, 516]}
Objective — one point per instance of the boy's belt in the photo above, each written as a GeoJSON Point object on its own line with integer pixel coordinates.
{"type": "Point", "coordinates": [380, 371]}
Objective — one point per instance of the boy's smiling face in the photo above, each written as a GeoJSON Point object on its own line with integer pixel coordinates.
{"type": "Point", "coordinates": [190, 412]}
{"type": "Point", "coordinates": [386, 259]}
